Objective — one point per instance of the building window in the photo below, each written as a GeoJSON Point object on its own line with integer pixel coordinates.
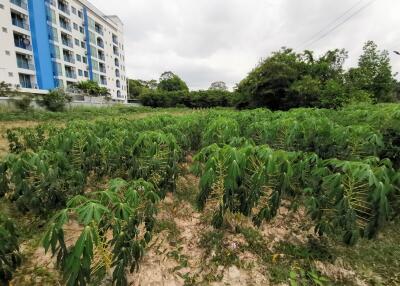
{"type": "Point", "coordinates": [80, 72]}
{"type": "Point", "coordinates": [76, 42]}
{"type": "Point", "coordinates": [78, 58]}
{"type": "Point", "coordinates": [83, 44]}
{"type": "Point", "coordinates": [80, 14]}
{"type": "Point", "coordinates": [73, 10]}
{"type": "Point", "coordinates": [76, 26]}
{"type": "Point", "coordinates": [86, 74]}
{"type": "Point", "coordinates": [84, 59]}
{"type": "Point", "coordinates": [81, 30]}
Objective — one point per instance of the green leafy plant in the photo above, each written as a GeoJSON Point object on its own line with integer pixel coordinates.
{"type": "Point", "coordinates": [117, 224]}
{"type": "Point", "coordinates": [10, 257]}
{"type": "Point", "coordinates": [54, 100]}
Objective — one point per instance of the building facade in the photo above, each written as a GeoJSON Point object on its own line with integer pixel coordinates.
{"type": "Point", "coordinates": [48, 44]}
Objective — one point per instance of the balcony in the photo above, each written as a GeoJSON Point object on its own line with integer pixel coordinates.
{"type": "Point", "coordinates": [22, 43]}
{"type": "Point", "coordinates": [70, 74]}
{"type": "Point", "coordinates": [67, 43]}
{"type": "Point", "coordinates": [103, 80]}
{"type": "Point", "coordinates": [98, 29]}
{"type": "Point", "coordinates": [69, 58]}
{"type": "Point", "coordinates": [115, 39]}
{"type": "Point", "coordinates": [116, 62]}
{"type": "Point", "coordinates": [21, 3]}
{"type": "Point", "coordinates": [101, 56]}
{"type": "Point", "coordinates": [102, 69]}
{"type": "Point", "coordinates": [63, 6]}
{"type": "Point", "coordinates": [25, 64]}
{"type": "Point", "coordinates": [65, 26]}
{"type": "Point", "coordinates": [25, 81]}
{"type": "Point", "coordinates": [100, 43]}
{"type": "Point", "coordinates": [19, 20]}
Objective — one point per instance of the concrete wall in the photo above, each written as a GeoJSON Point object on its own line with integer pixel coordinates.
{"type": "Point", "coordinates": [5, 101]}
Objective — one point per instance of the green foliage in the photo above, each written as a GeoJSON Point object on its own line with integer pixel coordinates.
{"type": "Point", "coordinates": [221, 131]}
{"type": "Point", "coordinates": [117, 224]}
{"type": "Point", "coordinates": [171, 82]}
{"type": "Point", "coordinates": [373, 74]}
{"type": "Point", "coordinates": [288, 80]}
{"type": "Point", "coordinates": [10, 257]}
{"type": "Point", "coordinates": [92, 88]}
{"type": "Point", "coordinates": [23, 103]}
{"type": "Point", "coordinates": [193, 99]}
{"type": "Point", "coordinates": [54, 100]}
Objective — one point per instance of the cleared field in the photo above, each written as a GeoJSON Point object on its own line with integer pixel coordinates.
{"type": "Point", "coordinates": [212, 197]}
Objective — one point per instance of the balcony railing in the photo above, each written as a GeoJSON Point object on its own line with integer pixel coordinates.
{"type": "Point", "coordinates": [21, 44]}
{"type": "Point", "coordinates": [25, 84]}
{"type": "Point", "coordinates": [63, 8]}
{"type": "Point", "coordinates": [25, 65]}
{"type": "Point", "coordinates": [69, 59]}
{"type": "Point", "coordinates": [21, 3]}
{"type": "Point", "coordinates": [101, 57]}
{"type": "Point", "coordinates": [21, 24]}
{"type": "Point", "coordinates": [102, 69]}
{"type": "Point", "coordinates": [99, 31]}
{"type": "Point", "coordinates": [67, 43]}
{"type": "Point", "coordinates": [65, 26]}
{"type": "Point", "coordinates": [70, 74]}
{"type": "Point", "coordinates": [100, 44]}
{"type": "Point", "coordinates": [115, 41]}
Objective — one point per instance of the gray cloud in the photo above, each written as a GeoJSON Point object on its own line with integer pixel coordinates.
{"type": "Point", "coordinates": [209, 40]}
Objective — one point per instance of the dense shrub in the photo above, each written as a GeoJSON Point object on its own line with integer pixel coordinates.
{"type": "Point", "coordinates": [193, 99]}
{"type": "Point", "coordinates": [10, 257]}
{"type": "Point", "coordinates": [22, 103]}
{"type": "Point", "coordinates": [55, 100]}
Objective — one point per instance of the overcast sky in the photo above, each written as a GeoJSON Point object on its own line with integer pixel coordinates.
{"type": "Point", "coordinates": [222, 40]}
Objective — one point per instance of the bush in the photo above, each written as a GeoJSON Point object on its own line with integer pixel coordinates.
{"type": "Point", "coordinates": [22, 103]}
{"type": "Point", "coordinates": [55, 100]}
{"type": "Point", "coordinates": [193, 99]}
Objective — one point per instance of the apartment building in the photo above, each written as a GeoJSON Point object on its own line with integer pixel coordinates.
{"type": "Point", "coordinates": [48, 44]}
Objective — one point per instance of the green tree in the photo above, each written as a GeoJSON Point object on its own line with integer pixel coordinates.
{"type": "Point", "coordinates": [171, 82]}
{"type": "Point", "coordinates": [136, 87]}
{"type": "Point", "coordinates": [55, 100]}
{"type": "Point", "coordinates": [373, 74]}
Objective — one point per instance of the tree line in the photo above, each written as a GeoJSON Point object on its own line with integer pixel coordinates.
{"type": "Point", "coordinates": [284, 80]}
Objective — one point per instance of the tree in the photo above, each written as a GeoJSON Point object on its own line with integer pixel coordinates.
{"type": "Point", "coordinates": [92, 88]}
{"type": "Point", "coordinates": [269, 83]}
{"type": "Point", "coordinates": [171, 82]}
{"type": "Point", "coordinates": [373, 74]}
{"type": "Point", "coordinates": [218, 85]}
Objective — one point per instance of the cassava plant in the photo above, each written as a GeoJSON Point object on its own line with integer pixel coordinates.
{"type": "Point", "coordinates": [10, 257]}
{"type": "Point", "coordinates": [116, 225]}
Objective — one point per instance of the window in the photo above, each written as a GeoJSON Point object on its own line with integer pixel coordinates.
{"type": "Point", "coordinates": [83, 44]}
{"type": "Point", "coordinates": [76, 26]}
{"type": "Point", "coordinates": [86, 74]}
{"type": "Point", "coordinates": [84, 59]}
{"type": "Point", "coordinates": [80, 72]}
{"type": "Point", "coordinates": [76, 42]}
{"type": "Point", "coordinates": [80, 14]}
{"type": "Point", "coordinates": [4, 29]}
{"type": "Point", "coordinates": [81, 30]}
{"type": "Point", "coordinates": [73, 10]}
{"type": "Point", "coordinates": [78, 58]}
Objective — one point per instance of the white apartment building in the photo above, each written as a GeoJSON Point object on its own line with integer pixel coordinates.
{"type": "Point", "coordinates": [48, 44]}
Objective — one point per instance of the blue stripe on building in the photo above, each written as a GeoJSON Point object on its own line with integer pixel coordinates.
{"type": "Point", "coordinates": [89, 50]}
{"type": "Point", "coordinates": [40, 44]}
